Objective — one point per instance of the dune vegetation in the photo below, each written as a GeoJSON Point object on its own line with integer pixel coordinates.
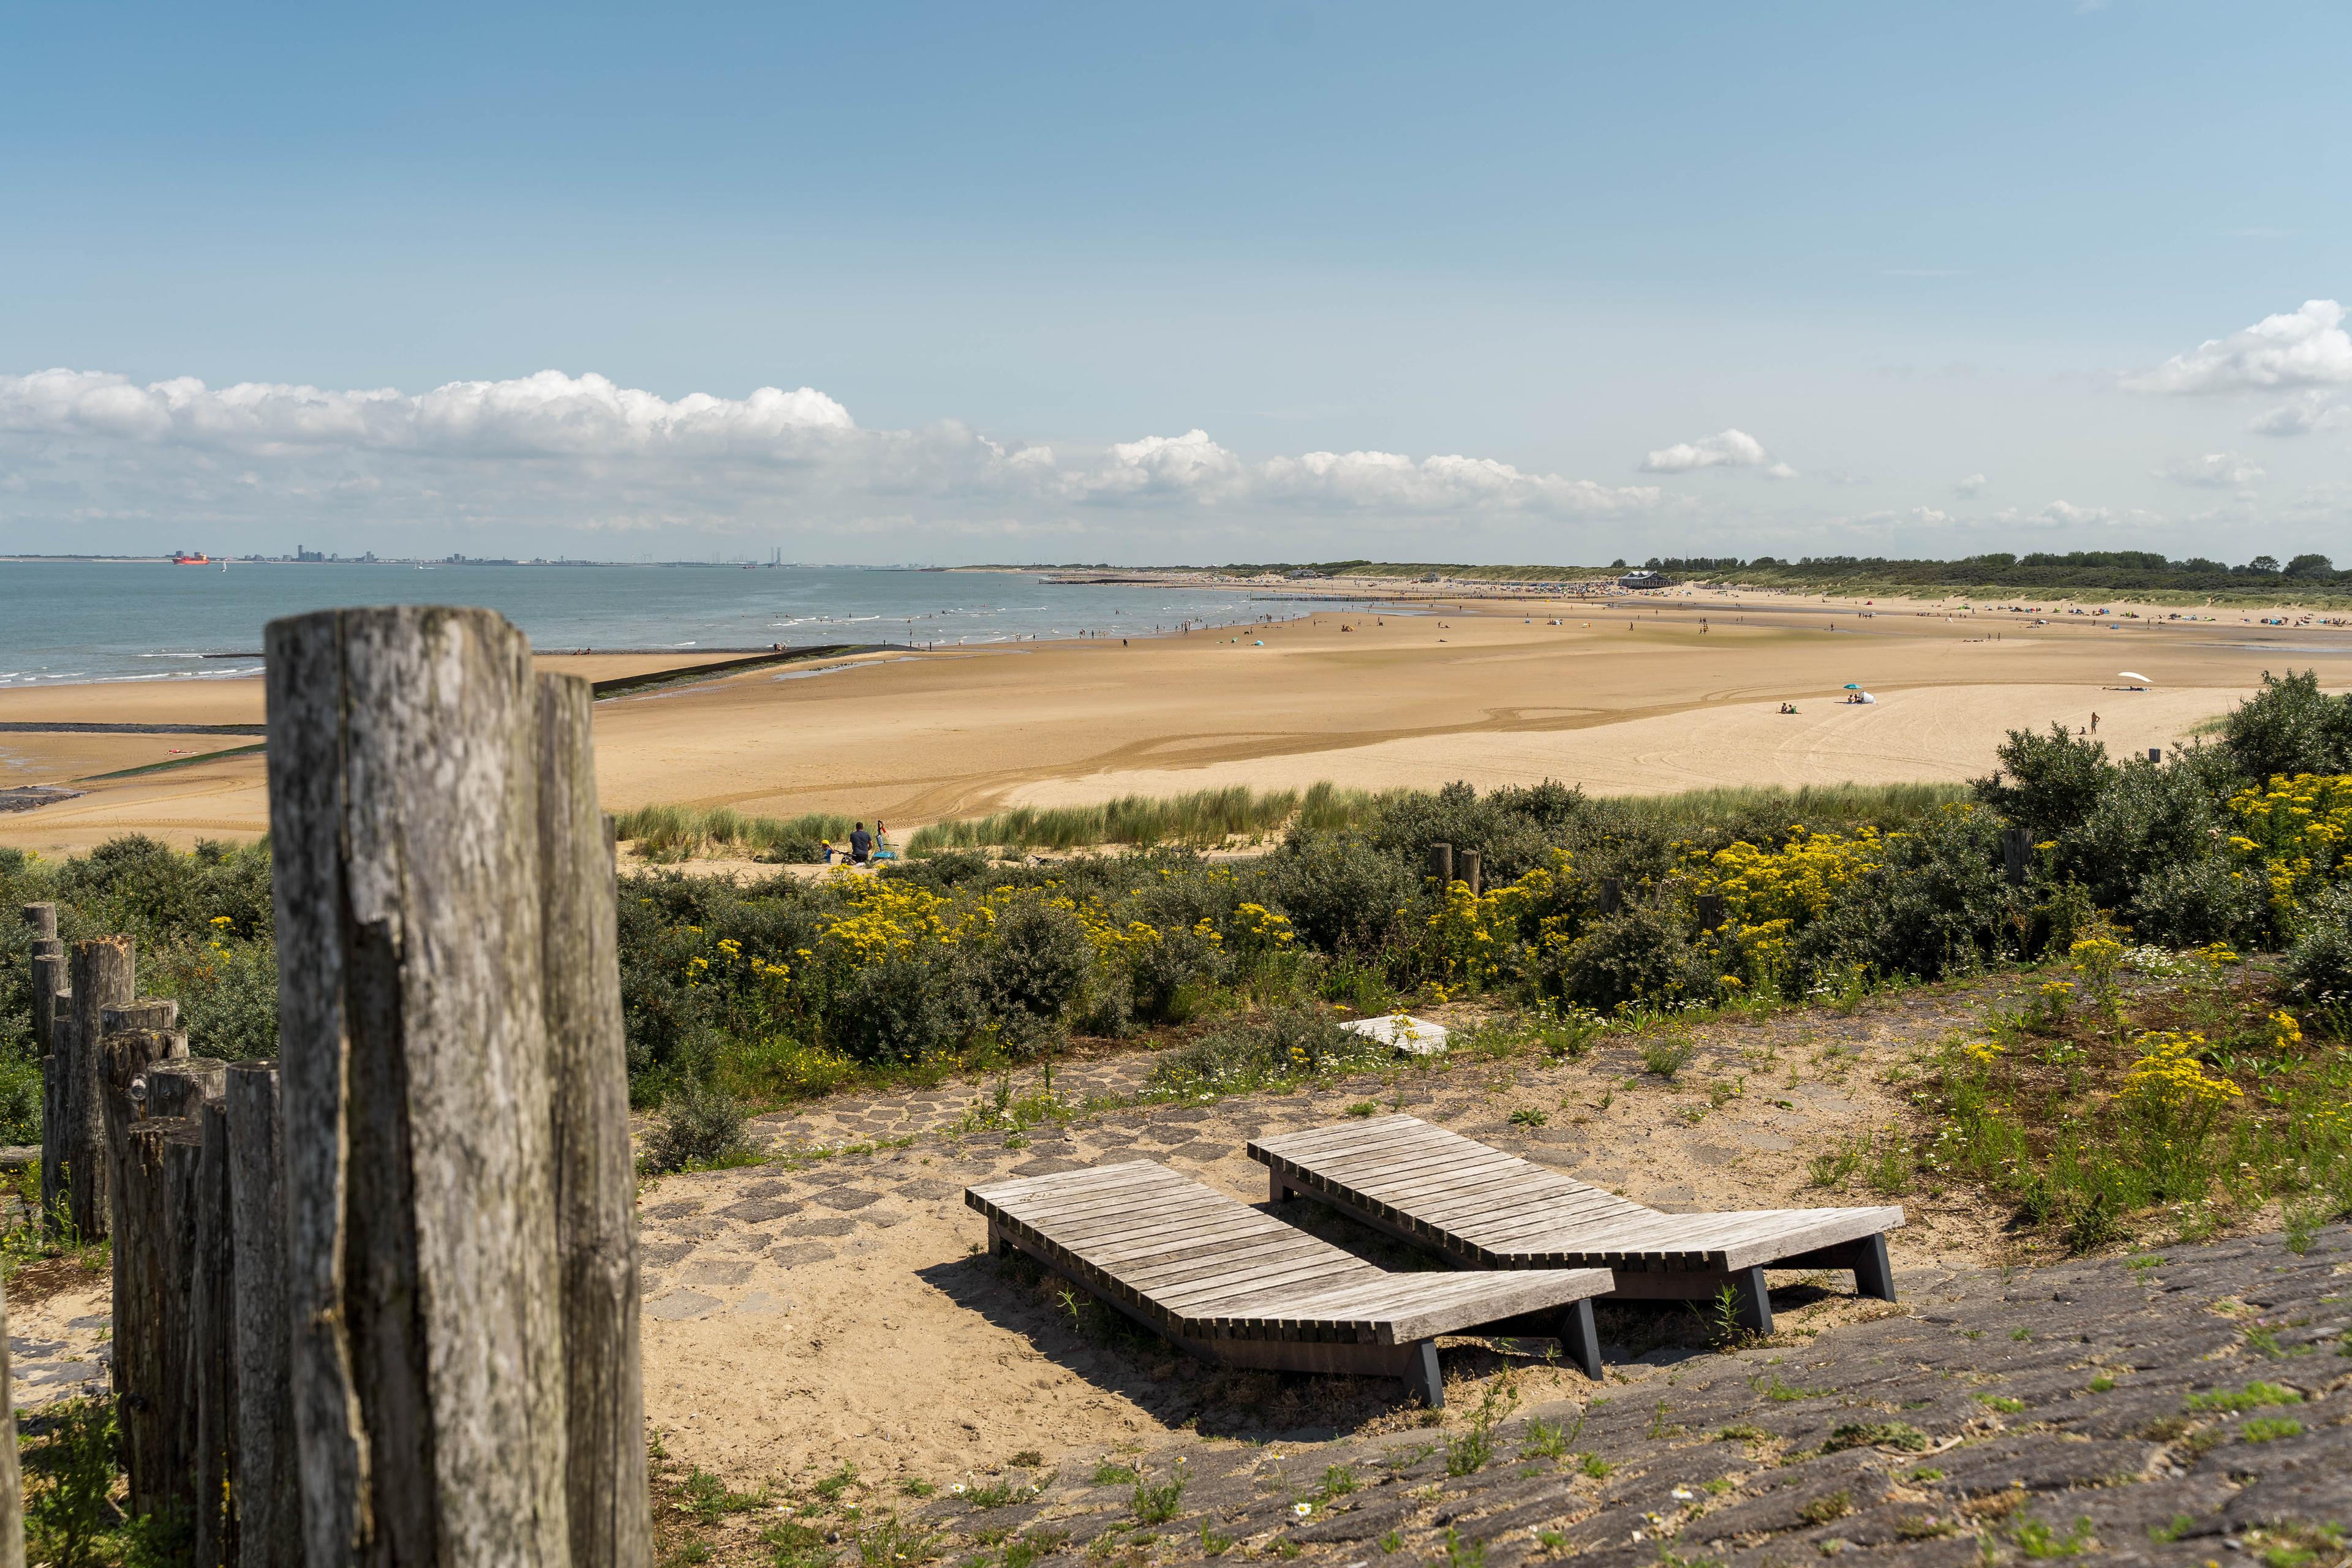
{"type": "Point", "coordinates": [2227, 863]}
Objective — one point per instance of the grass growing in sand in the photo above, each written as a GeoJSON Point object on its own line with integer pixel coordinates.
{"type": "Point", "coordinates": [667, 834]}
{"type": "Point", "coordinates": [1203, 819]}
{"type": "Point", "coordinates": [1208, 818]}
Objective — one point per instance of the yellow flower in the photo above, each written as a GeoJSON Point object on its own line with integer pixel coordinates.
{"type": "Point", "coordinates": [2170, 1077]}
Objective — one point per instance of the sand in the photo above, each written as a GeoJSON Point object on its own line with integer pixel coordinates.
{"type": "Point", "coordinates": [1493, 693]}
{"type": "Point", "coordinates": [844, 1310]}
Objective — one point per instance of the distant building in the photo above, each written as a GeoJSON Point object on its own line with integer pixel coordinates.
{"type": "Point", "coordinates": [1640, 580]}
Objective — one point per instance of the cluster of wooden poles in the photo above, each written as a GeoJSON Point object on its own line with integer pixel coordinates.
{"type": "Point", "coordinates": [377, 1301]}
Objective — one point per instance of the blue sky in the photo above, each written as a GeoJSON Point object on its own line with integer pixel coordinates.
{"type": "Point", "coordinates": [1703, 278]}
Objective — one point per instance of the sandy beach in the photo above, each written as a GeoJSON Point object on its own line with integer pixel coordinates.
{"type": "Point", "coordinates": [1664, 694]}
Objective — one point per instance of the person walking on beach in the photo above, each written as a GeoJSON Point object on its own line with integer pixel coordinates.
{"type": "Point", "coordinates": [2095, 723]}
{"type": "Point", "coordinates": [861, 846]}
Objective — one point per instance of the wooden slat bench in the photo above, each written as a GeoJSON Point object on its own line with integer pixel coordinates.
{"type": "Point", "coordinates": [1489, 1210]}
{"type": "Point", "coordinates": [1232, 1284]}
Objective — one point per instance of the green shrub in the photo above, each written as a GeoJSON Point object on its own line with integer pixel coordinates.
{"type": "Point", "coordinates": [2290, 727]}
{"type": "Point", "coordinates": [1036, 966]}
{"type": "Point", "coordinates": [1340, 891]}
{"type": "Point", "coordinates": [1636, 956]}
{"type": "Point", "coordinates": [2046, 783]}
{"type": "Point", "coordinates": [2318, 967]}
{"type": "Point", "coordinates": [700, 1124]}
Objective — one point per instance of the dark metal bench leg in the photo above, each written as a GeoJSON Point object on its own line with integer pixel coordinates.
{"type": "Point", "coordinates": [1872, 1274]}
{"type": "Point", "coordinates": [1581, 1338]}
{"type": "Point", "coordinates": [1425, 1379]}
{"type": "Point", "coordinates": [1755, 1300]}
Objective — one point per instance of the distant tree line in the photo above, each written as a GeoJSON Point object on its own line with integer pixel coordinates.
{"type": "Point", "coordinates": [2093, 570]}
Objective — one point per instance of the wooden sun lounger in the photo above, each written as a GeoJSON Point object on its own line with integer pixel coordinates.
{"type": "Point", "coordinates": [1232, 1284]}
{"type": "Point", "coordinates": [1487, 1209]}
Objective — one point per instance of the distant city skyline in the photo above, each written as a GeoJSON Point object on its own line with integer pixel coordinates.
{"type": "Point", "coordinates": [1288, 280]}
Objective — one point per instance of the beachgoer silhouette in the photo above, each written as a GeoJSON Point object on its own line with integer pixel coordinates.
{"type": "Point", "coordinates": [861, 846]}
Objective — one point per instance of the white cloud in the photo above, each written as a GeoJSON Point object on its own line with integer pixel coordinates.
{"type": "Point", "coordinates": [547, 415]}
{"type": "Point", "coordinates": [1970, 487]}
{"type": "Point", "coordinates": [2215, 471]}
{"type": "Point", "coordinates": [2312, 411]}
{"type": "Point", "coordinates": [2308, 347]}
{"type": "Point", "coordinates": [1723, 449]}
{"type": "Point", "coordinates": [583, 452]}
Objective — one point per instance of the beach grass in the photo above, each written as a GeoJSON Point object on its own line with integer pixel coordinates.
{"type": "Point", "coordinates": [670, 833]}
{"type": "Point", "coordinates": [1212, 818]}
{"type": "Point", "coordinates": [1208, 818]}
{"type": "Point", "coordinates": [1887, 806]}
{"type": "Point", "coordinates": [1202, 819]}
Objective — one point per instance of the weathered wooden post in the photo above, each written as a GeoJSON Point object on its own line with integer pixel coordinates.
{"type": "Point", "coordinates": [135, 1038]}
{"type": "Point", "coordinates": [1612, 895]}
{"type": "Point", "coordinates": [1710, 911]}
{"type": "Point", "coordinates": [422, 1277]}
{"type": "Point", "coordinates": [151, 1317]}
{"type": "Point", "coordinates": [2156, 753]}
{"type": "Point", "coordinates": [1465, 868]}
{"type": "Point", "coordinates": [128, 1054]}
{"type": "Point", "coordinates": [1441, 864]}
{"type": "Point", "coordinates": [104, 974]}
{"type": "Point", "coordinates": [268, 1506]}
{"type": "Point", "coordinates": [596, 1215]}
{"type": "Point", "coordinates": [49, 996]}
{"type": "Point", "coordinates": [12, 1475]}
{"type": "Point", "coordinates": [161, 1211]}
{"type": "Point", "coordinates": [180, 1085]}
{"type": "Point", "coordinates": [2016, 855]}
{"type": "Point", "coordinates": [41, 920]}
{"type": "Point", "coordinates": [211, 1356]}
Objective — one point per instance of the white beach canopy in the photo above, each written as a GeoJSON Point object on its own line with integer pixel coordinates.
{"type": "Point", "coordinates": [2134, 675]}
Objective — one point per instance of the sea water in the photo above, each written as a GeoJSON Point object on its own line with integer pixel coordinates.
{"type": "Point", "coordinates": [68, 621]}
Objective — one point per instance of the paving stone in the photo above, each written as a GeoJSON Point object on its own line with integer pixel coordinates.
{"type": "Point", "coordinates": [759, 1211]}
{"type": "Point", "coordinates": [717, 1271]}
{"type": "Point", "coordinates": [848, 1198]}
{"type": "Point", "coordinates": [680, 1305]}
{"type": "Point", "coordinates": [797, 1253]}
{"type": "Point", "coordinates": [835, 1227]}
{"type": "Point", "coordinates": [662, 1254]}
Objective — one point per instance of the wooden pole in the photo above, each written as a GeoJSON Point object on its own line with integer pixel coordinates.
{"type": "Point", "coordinates": [150, 1315]}
{"type": "Point", "coordinates": [2016, 855]}
{"type": "Point", "coordinates": [104, 974]}
{"type": "Point", "coordinates": [41, 920]}
{"type": "Point", "coordinates": [12, 1476]}
{"type": "Point", "coordinates": [127, 1056]}
{"type": "Point", "coordinates": [1466, 867]}
{"type": "Point", "coordinates": [1441, 864]}
{"type": "Point", "coordinates": [212, 1289]}
{"type": "Point", "coordinates": [421, 1268]}
{"type": "Point", "coordinates": [182, 1201]}
{"type": "Point", "coordinates": [268, 1508]}
{"type": "Point", "coordinates": [608, 1499]}
{"type": "Point", "coordinates": [182, 1086]}
{"type": "Point", "coordinates": [136, 1039]}
{"type": "Point", "coordinates": [51, 1014]}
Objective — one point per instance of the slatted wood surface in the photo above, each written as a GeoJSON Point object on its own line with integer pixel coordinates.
{"type": "Point", "coordinates": [1197, 1264]}
{"type": "Point", "coordinates": [1496, 1210]}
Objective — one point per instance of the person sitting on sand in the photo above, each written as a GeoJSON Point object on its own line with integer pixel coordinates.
{"type": "Point", "coordinates": [827, 844]}
{"type": "Point", "coordinates": [861, 846]}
